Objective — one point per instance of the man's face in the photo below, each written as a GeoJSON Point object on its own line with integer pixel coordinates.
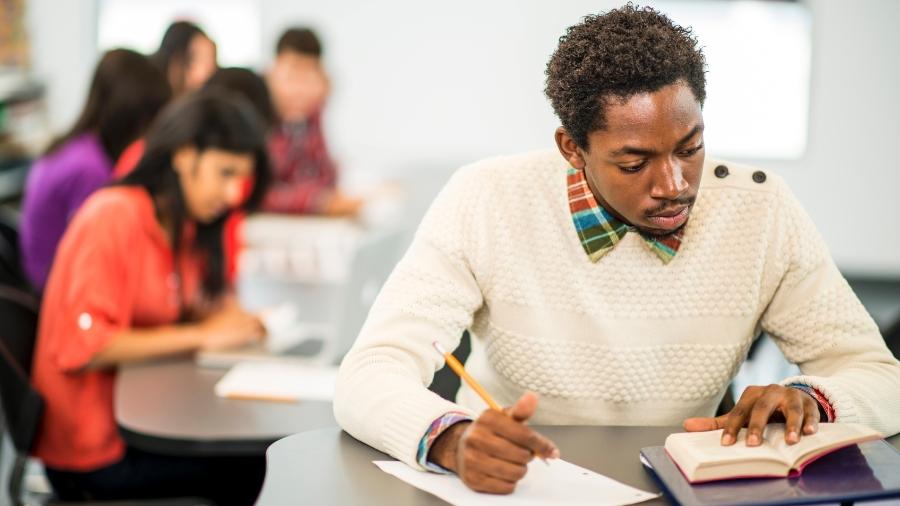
{"type": "Point", "coordinates": [645, 166]}
{"type": "Point", "coordinates": [298, 84]}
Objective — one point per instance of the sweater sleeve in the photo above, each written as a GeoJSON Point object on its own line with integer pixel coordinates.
{"type": "Point", "coordinates": [819, 324]}
{"type": "Point", "coordinates": [381, 396]}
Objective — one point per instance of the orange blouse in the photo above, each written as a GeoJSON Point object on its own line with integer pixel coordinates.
{"type": "Point", "coordinates": [114, 270]}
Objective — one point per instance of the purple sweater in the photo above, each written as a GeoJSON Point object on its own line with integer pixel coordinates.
{"type": "Point", "coordinates": [57, 185]}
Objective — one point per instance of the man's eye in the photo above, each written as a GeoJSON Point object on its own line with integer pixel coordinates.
{"type": "Point", "coordinates": [631, 169]}
{"type": "Point", "coordinates": [691, 151]}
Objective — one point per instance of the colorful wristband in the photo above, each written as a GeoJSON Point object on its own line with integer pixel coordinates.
{"type": "Point", "coordinates": [825, 408]}
{"type": "Point", "coordinates": [437, 428]}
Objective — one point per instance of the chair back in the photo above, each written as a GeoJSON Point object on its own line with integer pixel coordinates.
{"type": "Point", "coordinates": [11, 273]}
{"type": "Point", "coordinates": [22, 405]}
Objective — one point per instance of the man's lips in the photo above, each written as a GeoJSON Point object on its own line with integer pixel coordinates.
{"type": "Point", "coordinates": [668, 213]}
{"type": "Point", "coordinates": [670, 219]}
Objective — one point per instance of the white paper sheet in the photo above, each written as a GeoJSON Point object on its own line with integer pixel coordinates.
{"type": "Point", "coordinates": [278, 381]}
{"type": "Point", "coordinates": [285, 329]}
{"type": "Point", "coordinates": [560, 483]}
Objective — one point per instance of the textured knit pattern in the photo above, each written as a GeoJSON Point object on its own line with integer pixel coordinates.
{"type": "Point", "coordinates": [631, 374]}
{"type": "Point", "coordinates": [600, 231]}
{"type": "Point", "coordinates": [626, 340]}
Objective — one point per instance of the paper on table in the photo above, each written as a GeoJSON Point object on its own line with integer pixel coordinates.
{"type": "Point", "coordinates": [559, 483]}
{"type": "Point", "coordinates": [278, 381]}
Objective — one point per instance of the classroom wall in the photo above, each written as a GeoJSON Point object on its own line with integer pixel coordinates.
{"type": "Point", "coordinates": [423, 89]}
{"type": "Point", "coordinates": [850, 175]}
{"type": "Point", "coordinates": [63, 53]}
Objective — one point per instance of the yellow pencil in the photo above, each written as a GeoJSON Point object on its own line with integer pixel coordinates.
{"type": "Point", "coordinates": [461, 371]}
{"type": "Point", "coordinates": [458, 369]}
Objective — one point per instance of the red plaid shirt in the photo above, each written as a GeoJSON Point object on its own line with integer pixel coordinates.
{"type": "Point", "coordinates": [303, 171]}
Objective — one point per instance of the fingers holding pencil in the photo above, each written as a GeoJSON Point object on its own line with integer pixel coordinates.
{"type": "Point", "coordinates": [491, 453]}
{"type": "Point", "coordinates": [520, 412]}
{"type": "Point", "coordinates": [520, 434]}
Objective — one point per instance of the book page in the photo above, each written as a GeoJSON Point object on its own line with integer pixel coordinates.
{"type": "Point", "coordinates": [558, 483]}
{"type": "Point", "coordinates": [705, 449]}
{"type": "Point", "coordinates": [829, 435]}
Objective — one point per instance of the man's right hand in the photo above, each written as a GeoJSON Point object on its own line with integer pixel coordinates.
{"type": "Point", "coordinates": [492, 453]}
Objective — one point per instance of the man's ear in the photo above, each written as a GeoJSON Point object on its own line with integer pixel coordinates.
{"type": "Point", "coordinates": [569, 149]}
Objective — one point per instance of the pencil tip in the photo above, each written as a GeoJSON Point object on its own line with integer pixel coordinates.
{"type": "Point", "coordinates": [438, 347]}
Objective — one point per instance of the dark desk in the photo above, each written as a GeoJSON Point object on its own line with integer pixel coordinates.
{"type": "Point", "coordinates": [170, 407]}
{"type": "Point", "coordinates": [328, 467]}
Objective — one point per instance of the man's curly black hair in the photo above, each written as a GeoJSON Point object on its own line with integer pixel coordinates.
{"type": "Point", "coordinates": [616, 55]}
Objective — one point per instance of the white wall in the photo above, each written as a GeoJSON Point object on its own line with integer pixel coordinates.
{"type": "Point", "coordinates": [850, 176]}
{"type": "Point", "coordinates": [424, 87]}
{"type": "Point", "coordinates": [415, 82]}
{"type": "Point", "coordinates": [63, 53]}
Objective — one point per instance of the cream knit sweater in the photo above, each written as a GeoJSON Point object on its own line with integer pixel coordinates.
{"type": "Point", "coordinates": [624, 341]}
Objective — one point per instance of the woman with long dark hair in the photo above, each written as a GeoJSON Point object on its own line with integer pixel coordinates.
{"type": "Point", "coordinates": [187, 56]}
{"type": "Point", "coordinates": [125, 94]}
{"type": "Point", "coordinates": [139, 275]}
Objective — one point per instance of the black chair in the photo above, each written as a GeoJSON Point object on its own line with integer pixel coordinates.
{"type": "Point", "coordinates": [10, 267]}
{"type": "Point", "coordinates": [22, 404]}
{"type": "Point", "coordinates": [446, 383]}
{"type": "Point", "coordinates": [892, 338]}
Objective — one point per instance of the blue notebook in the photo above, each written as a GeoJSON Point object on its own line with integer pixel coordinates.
{"type": "Point", "coordinates": [866, 471]}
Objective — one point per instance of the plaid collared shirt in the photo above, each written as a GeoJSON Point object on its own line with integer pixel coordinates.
{"type": "Point", "coordinates": [599, 231]}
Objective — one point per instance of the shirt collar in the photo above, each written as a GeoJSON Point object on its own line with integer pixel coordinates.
{"type": "Point", "coordinates": [600, 231]}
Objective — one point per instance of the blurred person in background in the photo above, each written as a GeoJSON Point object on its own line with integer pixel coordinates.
{"type": "Point", "coordinates": [305, 176]}
{"type": "Point", "coordinates": [187, 56]}
{"type": "Point", "coordinates": [237, 80]}
{"type": "Point", "coordinates": [249, 85]}
{"type": "Point", "coordinates": [139, 275]}
{"type": "Point", "coordinates": [126, 93]}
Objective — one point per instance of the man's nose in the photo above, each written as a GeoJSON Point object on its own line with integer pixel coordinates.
{"type": "Point", "coordinates": [669, 182]}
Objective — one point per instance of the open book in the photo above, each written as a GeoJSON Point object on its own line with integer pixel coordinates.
{"type": "Point", "coordinates": [701, 457]}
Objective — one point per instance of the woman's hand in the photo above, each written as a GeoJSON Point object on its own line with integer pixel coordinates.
{"type": "Point", "coordinates": [230, 327]}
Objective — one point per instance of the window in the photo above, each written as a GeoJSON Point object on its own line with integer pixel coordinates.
{"type": "Point", "coordinates": [758, 82]}
{"type": "Point", "coordinates": [139, 24]}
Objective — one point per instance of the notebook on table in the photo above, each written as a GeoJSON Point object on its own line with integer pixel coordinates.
{"type": "Point", "coordinates": [278, 381]}
{"type": "Point", "coordinates": [842, 462]}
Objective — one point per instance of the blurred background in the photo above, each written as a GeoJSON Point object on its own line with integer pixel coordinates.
{"type": "Point", "coordinates": [807, 88]}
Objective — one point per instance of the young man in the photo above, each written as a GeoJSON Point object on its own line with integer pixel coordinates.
{"type": "Point", "coordinates": [622, 281]}
{"type": "Point", "coordinates": [305, 174]}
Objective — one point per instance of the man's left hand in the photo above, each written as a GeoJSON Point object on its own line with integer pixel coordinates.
{"type": "Point", "coordinates": [758, 406]}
